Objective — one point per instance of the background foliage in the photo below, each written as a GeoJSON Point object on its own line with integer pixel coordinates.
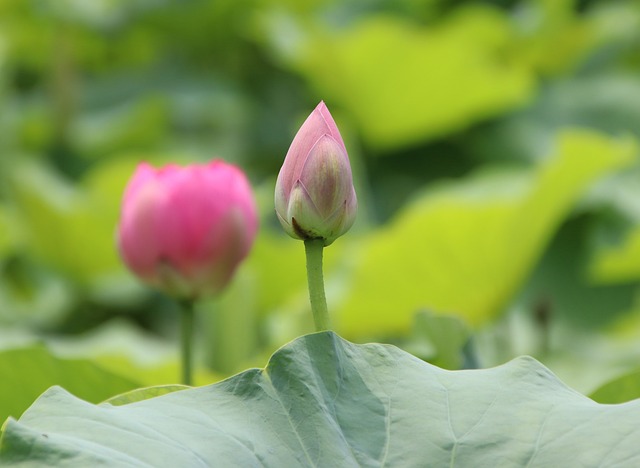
{"type": "Point", "coordinates": [494, 146]}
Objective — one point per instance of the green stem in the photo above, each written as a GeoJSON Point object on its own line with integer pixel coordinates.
{"type": "Point", "coordinates": [187, 316]}
{"type": "Point", "coordinates": [313, 249]}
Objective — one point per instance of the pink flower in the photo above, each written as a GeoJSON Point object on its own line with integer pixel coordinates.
{"type": "Point", "coordinates": [186, 229]}
{"type": "Point", "coordinates": [315, 198]}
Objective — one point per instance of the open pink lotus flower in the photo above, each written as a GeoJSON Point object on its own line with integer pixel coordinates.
{"type": "Point", "coordinates": [315, 198]}
{"type": "Point", "coordinates": [186, 229]}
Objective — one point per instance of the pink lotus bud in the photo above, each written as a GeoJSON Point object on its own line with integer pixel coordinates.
{"type": "Point", "coordinates": [186, 229]}
{"type": "Point", "coordinates": [315, 198]}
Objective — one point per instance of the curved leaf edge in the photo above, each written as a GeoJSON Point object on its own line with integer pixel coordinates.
{"type": "Point", "coordinates": [331, 356]}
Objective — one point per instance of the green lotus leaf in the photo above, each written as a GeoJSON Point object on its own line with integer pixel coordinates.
{"type": "Point", "coordinates": [323, 401]}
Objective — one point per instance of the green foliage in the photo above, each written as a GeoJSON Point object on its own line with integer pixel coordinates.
{"type": "Point", "coordinates": [439, 339]}
{"type": "Point", "coordinates": [64, 222]}
{"type": "Point", "coordinates": [322, 401]}
{"type": "Point", "coordinates": [619, 263]}
{"type": "Point", "coordinates": [115, 358]}
{"type": "Point", "coordinates": [619, 390]}
{"type": "Point", "coordinates": [511, 216]}
{"type": "Point", "coordinates": [449, 75]}
{"type": "Point", "coordinates": [27, 372]}
{"type": "Point", "coordinates": [7, 236]}
{"type": "Point", "coordinates": [141, 394]}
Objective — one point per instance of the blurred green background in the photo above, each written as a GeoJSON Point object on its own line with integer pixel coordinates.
{"type": "Point", "coordinates": [495, 156]}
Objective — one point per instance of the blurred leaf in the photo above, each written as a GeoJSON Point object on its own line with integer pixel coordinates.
{"type": "Point", "coordinates": [271, 291]}
{"type": "Point", "coordinates": [615, 238]}
{"type": "Point", "coordinates": [555, 36]}
{"type": "Point", "coordinates": [613, 355]}
{"type": "Point", "coordinates": [127, 127]}
{"type": "Point", "coordinates": [439, 339]}
{"type": "Point", "coordinates": [466, 249]}
{"type": "Point", "coordinates": [162, 373]}
{"type": "Point", "coordinates": [566, 345]}
{"type": "Point", "coordinates": [27, 372]}
{"type": "Point", "coordinates": [141, 394]}
{"type": "Point", "coordinates": [98, 13]}
{"type": "Point", "coordinates": [620, 390]}
{"type": "Point", "coordinates": [309, 408]}
{"type": "Point", "coordinates": [619, 263]}
{"type": "Point", "coordinates": [66, 229]}
{"type": "Point", "coordinates": [31, 295]}
{"type": "Point", "coordinates": [607, 102]}
{"type": "Point", "coordinates": [405, 84]}
{"type": "Point", "coordinates": [34, 128]}
{"type": "Point", "coordinates": [8, 237]}
{"type": "Point", "coordinates": [288, 254]}
{"type": "Point", "coordinates": [231, 324]}
{"type": "Point", "coordinates": [560, 286]}
{"type": "Point", "coordinates": [125, 349]}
